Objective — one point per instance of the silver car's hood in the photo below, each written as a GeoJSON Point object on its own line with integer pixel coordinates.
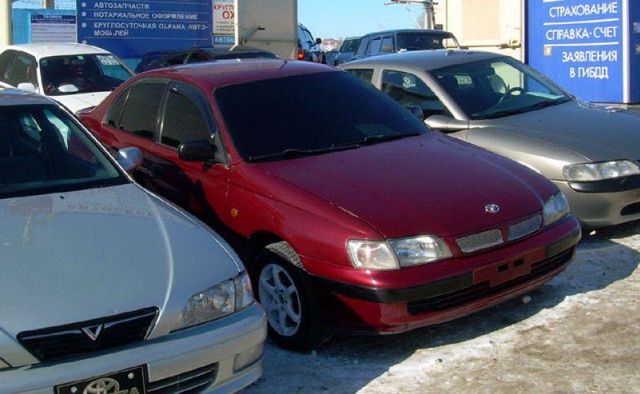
{"type": "Point", "coordinates": [596, 133]}
{"type": "Point", "coordinates": [72, 257]}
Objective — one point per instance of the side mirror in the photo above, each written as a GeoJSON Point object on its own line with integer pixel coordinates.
{"type": "Point", "coordinates": [130, 158]}
{"type": "Point", "coordinates": [416, 110]}
{"type": "Point", "coordinates": [197, 150]}
{"type": "Point", "coordinates": [318, 41]}
{"type": "Point", "coordinates": [28, 86]}
{"type": "Point", "coordinates": [446, 123]}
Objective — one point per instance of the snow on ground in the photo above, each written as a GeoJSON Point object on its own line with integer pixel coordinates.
{"type": "Point", "coordinates": [579, 333]}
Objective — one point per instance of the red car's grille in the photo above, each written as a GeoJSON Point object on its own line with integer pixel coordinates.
{"type": "Point", "coordinates": [491, 238]}
{"type": "Point", "coordinates": [483, 290]}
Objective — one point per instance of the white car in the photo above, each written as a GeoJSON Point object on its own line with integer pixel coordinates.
{"type": "Point", "coordinates": [77, 76]}
{"type": "Point", "coordinates": [106, 288]}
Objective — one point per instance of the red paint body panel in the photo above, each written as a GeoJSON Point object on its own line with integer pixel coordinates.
{"type": "Point", "coordinates": [429, 184]}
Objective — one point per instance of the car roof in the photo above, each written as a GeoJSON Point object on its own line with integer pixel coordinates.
{"type": "Point", "coordinates": [396, 31]}
{"type": "Point", "coordinates": [11, 97]}
{"type": "Point", "coordinates": [42, 50]}
{"type": "Point", "coordinates": [425, 60]}
{"type": "Point", "coordinates": [211, 75]}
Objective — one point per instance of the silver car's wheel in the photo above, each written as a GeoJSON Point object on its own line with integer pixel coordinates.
{"type": "Point", "coordinates": [280, 299]}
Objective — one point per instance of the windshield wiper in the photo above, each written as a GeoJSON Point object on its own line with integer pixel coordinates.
{"type": "Point", "coordinates": [296, 152]}
{"type": "Point", "coordinates": [374, 139]}
{"type": "Point", "coordinates": [535, 107]}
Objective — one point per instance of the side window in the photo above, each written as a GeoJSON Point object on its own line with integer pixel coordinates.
{"type": "Point", "coordinates": [5, 60]}
{"type": "Point", "coordinates": [374, 46]}
{"type": "Point", "coordinates": [363, 74]}
{"type": "Point", "coordinates": [177, 60]}
{"type": "Point", "coordinates": [183, 121]}
{"type": "Point", "coordinates": [387, 45]}
{"type": "Point", "coordinates": [115, 112]}
{"type": "Point", "coordinates": [364, 45]}
{"type": "Point", "coordinates": [22, 70]}
{"type": "Point", "coordinates": [407, 89]}
{"type": "Point", "coordinates": [141, 111]}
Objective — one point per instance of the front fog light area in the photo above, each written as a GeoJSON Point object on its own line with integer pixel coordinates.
{"type": "Point", "coordinates": [248, 357]}
{"type": "Point", "coordinates": [216, 302]}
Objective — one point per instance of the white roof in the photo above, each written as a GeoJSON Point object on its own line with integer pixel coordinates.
{"type": "Point", "coordinates": [42, 50]}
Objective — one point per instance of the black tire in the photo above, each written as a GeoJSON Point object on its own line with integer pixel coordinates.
{"type": "Point", "coordinates": [307, 334]}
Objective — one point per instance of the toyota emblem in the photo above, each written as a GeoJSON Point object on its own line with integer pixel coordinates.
{"type": "Point", "coordinates": [103, 386]}
{"type": "Point", "coordinates": [492, 208]}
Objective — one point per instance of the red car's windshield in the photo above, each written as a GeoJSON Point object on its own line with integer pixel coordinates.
{"type": "Point", "coordinates": [311, 114]}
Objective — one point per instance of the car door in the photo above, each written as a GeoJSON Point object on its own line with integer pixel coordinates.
{"type": "Point", "coordinates": [200, 187]}
{"type": "Point", "coordinates": [133, 121]}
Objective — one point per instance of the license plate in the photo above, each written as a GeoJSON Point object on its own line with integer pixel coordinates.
{"type": "Point", "coordinates": [131, 381]}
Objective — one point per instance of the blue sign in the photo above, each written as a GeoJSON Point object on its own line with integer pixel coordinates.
{"type": "Point", "coordinates": [132, 28]}
{"type": "Point", "coordinates": [582, 45]}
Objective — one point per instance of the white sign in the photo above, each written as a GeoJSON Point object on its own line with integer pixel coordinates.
{"type": "Point", "coordinates": [224, 19]}
{"type": "Point", "coordinates": [53, 28]}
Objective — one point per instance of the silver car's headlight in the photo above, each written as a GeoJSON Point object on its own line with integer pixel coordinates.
{"type": "Point", "coordinates": [591, 172]}
{"type": "Point", "coordinates": [555, 209]}
{"type": "Point", "coordinates": [394, 254]}
{"type": "Point", "coordinates": [216, 302]}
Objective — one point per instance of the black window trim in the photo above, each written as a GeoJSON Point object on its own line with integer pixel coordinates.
{"type": "Point", "coordinates": [198, 99]}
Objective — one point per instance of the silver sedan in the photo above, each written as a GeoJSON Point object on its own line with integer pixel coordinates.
{"type": "Point", "coordinates": [106, 288]}
{"type": "Point", "coordinates": [591, 153]}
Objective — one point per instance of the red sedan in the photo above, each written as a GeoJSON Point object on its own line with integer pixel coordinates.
{"type": "Point", "coordinates": [353, 215]}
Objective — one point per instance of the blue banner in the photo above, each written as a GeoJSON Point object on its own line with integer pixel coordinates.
{"type": "Point", "coordinates": [131, 28]}
{"type": "Point", "coordinates": [580, 44]}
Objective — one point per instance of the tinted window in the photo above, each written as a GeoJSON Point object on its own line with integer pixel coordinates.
{"type": "Point", "coordinates": [176, 60]}
{"type": "Point", "coordinates": [22, 70]}
{"type": "Point", "coordinates": [350, 46]}
{"type": "Point", "coordinates": [5, 59]}
{"type": "Point", "coordinates": [363, 46]}
{"type": "Point", "coordinates": [43, 150]}
{"type": "Point", "coordinates": [375, 46]}
{"type": "Point", "coordinates": [141, 110]}
{"type": "Point", "coordinates": [183, 121]}
{"type": "Point", "coordinates": [363, 74]}
{"type": "Point", "coordinates": [302, 115]}
{"type": "Point", "coordinates": [115, 113]}
{"type": "Point", "coordinates": [387, 45]}
{"type": "Point", "coordinates": [420, 41]}
{"type": "Point", "coordinates": [82, 74]}
{"type": "Point", "coordinates": [407, 89]}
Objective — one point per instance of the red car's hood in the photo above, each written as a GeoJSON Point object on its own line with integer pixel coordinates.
{"type": "Point", "coordinates": [429, 184]}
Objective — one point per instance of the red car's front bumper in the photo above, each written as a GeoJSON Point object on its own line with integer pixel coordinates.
{"type": "Point", "coordinates": [502, 274]}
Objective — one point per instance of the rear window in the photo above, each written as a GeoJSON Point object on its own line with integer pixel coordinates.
{"type": "Point", "coordinates": [304, 113]}
{"type": "Point", "coordinates": [420, 41]}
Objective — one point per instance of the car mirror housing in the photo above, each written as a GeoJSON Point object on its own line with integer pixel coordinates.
{"type": "Point", "coordinates": [197, 150]}
{"type": "Point", "coordinates": [130, 158]}
{"type": "Point", "coordinates": [28, 86]}
{"type": "Point", "coordinates": [446, 123]}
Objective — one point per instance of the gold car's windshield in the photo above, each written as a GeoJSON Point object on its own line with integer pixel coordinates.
{"type": "Point", "coordinates": [499, 87]}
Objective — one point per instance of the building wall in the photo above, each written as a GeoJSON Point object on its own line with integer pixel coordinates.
{"type": "Point", "coordinates": [491, 25]}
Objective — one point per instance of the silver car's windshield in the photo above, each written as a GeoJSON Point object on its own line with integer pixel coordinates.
{"type": "Point", "coordinates": [42, 150]}
{"type": "Point", "coordinates": [498, 87]}
{"type": "Point", "coordinates": [62, 75]}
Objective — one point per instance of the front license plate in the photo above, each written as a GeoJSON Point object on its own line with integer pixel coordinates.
{"type": "Point", "coordinates": [130, 381]}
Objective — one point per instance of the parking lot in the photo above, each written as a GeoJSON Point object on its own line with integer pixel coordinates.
{"type": "Point", "coordinates": [578, 333]}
